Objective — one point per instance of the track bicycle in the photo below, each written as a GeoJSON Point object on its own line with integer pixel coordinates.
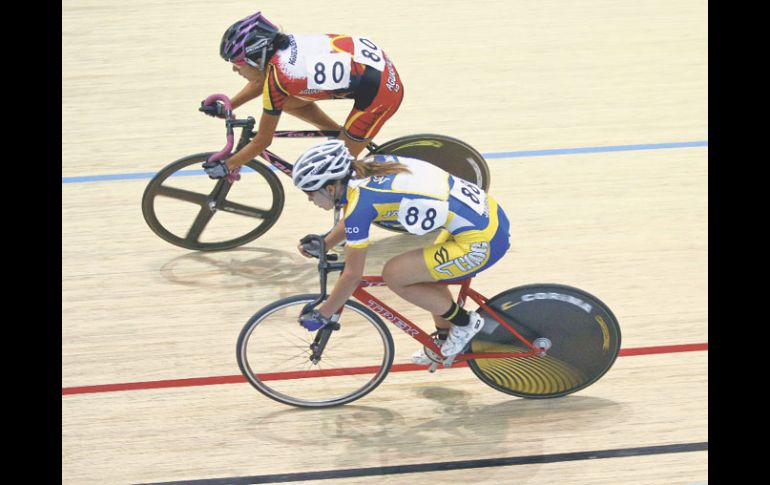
{"type": "Point", "coordinates": [538, 341]}
{"type": "Point", "coordinates": [185, 208]}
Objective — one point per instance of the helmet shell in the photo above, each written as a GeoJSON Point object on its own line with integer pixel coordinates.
{"type": "Point", "coordinates": [321, 164]}
{"type": "Point", "coordinates": [249, 38]}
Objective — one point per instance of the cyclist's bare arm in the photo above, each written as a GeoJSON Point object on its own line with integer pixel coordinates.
{"type": "Point", "coordinates": [309, 112]}
{"type": "Point", "coordinates": [252, 90]}
{"type": "Point", "coordinates": [336, 235]}
{"type": "Point", "coordinates": [355, 259]}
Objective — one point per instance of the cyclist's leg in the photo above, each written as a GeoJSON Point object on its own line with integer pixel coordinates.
{"type": "Point", "coordinates": [442, 323]}
{"type": "Point", "coordinates": [408, 277]}
{"type": "Point", "coordinates": [378, 97]}
{"type": "Point", "coordinates": [309, 111]}
{"type": "Point", "coordinates": [354, 145]}
{"type": "Point", "coordinates": [460, 257]}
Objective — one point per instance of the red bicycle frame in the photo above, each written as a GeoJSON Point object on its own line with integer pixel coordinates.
{"type": "Point", "coordinates": [382, 309]}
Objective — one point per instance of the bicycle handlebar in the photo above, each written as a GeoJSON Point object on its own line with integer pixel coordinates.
{"type": "Point", "coordinates": [315, 245]}
{"type": "Point", "coordinates": [248, 124]}
{"type": "Point", "coordinates": [229, 117]}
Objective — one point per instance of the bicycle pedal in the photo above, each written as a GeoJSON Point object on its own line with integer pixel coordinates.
{"type": "Point", "coordinates": [433, 367]}
{"type": "Point", "coordinates": [448, 361]}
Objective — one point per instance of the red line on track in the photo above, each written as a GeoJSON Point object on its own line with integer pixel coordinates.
{"type": "Point", "coordinates": [214, 380]}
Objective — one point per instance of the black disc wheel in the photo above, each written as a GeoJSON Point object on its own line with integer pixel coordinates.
{"type": "Point", "coordinates": [186, 208]}
{"type": "Point", "coordinates": [580, 333]}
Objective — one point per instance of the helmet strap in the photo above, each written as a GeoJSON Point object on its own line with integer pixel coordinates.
{"type": "Point", "coordinates": [262, 62]}
{"type": "Point", "coordinates": [338, 186]}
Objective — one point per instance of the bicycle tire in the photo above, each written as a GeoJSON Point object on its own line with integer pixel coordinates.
{"type": "Point", "coordinates": [201, 194]}
{"type": "Point", "coordinates": [273, 349]}
{"type": "Point", "coordinates": [583, 332]}
{"type": "Point", "coordinates": [450, 154]}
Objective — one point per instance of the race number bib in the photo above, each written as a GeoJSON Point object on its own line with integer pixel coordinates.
{"type": "Point", "coordinates": [470, 194]}
{"type": "Point", "coordinates": [420, 216]}
{"type": "Point", "coordinates": [329, 72]}
{"type": "Point", "coordinates": [366, 52]}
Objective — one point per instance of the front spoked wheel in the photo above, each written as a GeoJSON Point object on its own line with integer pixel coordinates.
{"type": "Point", "coordinates": [186, 208]}
{"type": "Point", "coordinates": [275, 354]}
{"type": "Point", "coordinates": [450, 154]}
{"type": "Point", "coordinates": [581, 335]}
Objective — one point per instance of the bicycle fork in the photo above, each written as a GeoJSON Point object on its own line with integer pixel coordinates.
{"type": "Point", "coordinates": [322, 338]}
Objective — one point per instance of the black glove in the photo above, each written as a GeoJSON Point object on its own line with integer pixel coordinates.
{"type": "Point", "coordinates": [216, 170]}
{"type": "Point", "coordinates": [217, 109]}
{"type": "Point", "coordinates": [312, 247]}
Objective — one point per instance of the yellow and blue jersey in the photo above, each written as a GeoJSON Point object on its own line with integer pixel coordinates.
{"type": "Point", "coordinates": [423, 200]}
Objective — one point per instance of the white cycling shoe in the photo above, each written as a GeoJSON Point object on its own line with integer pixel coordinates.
{"type": "Point", "coordinates": [460, 336]}
{"type": "Point", "coordinates": [421, 357]}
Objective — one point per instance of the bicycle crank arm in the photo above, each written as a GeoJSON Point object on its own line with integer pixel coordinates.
{"type": "Point", "coordinates": [448, 361]}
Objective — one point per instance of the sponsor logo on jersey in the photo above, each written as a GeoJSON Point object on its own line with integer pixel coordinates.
{"type": "Point", "coordinates": [465, 263]}
{"type": "Point", "coordinates": [392, 85]}
{"type": "Point", "coordinates": [441, 256]}
{"type": "Point", "coordinates": [293, 54]}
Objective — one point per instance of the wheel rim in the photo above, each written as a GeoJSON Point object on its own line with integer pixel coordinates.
{"type": "Point", "coordinates": [273, 354]}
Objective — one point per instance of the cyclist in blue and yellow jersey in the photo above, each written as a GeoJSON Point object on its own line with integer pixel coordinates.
{"type": "Point", "coordinates": [422, 198]}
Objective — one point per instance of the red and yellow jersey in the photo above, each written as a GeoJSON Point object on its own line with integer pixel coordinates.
{"type": "Point", "coordinates": [324, 66]}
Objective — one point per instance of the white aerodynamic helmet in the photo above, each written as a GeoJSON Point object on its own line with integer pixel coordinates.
{"type": "Point", "coordinates": [321, 164]}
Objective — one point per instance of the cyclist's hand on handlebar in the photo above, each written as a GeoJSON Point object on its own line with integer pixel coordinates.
{"type": "Point", "coordinates": [310, 249]}
{"type": "Point", "coordinates": [313, 320]}
{"type": "Point", "coordinates": [217, 109]}
{"type": "Point", "coordinates": [216, 170]}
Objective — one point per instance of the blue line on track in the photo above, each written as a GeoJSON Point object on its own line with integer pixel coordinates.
{"type": "Point", "coordinates": [490, 156]}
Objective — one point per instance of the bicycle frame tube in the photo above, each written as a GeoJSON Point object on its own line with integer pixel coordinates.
{"type": "Point", "coordinates": [247, 134]}
{"type": "Point", "coordinates": [482, 302]}
{"type": "Point", "coordinates": [303, 133]}
{"type": "Point", "coordinates": [282, 164]}
{"type": "Point", "coordinates": [277, 162]}
{"type": "Point", "coordinates": [382, 309]}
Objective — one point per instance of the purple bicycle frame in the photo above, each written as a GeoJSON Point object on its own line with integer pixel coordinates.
{"type": "Point", "coordinates": [269, 156]}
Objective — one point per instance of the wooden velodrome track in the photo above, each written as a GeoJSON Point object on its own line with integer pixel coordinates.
{"type": "Point", "coordinates": [516, 79]}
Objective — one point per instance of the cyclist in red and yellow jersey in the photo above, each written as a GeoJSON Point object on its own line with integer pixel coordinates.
{"type": "Point", "coordinates": [293, 71]}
